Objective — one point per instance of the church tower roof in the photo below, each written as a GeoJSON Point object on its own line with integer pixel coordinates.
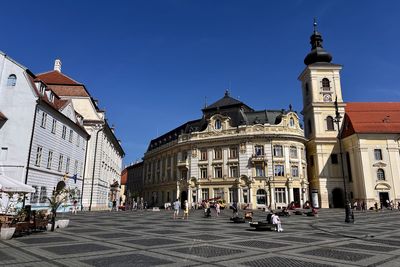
{"type": "Point", "coordinates": [318, 53]}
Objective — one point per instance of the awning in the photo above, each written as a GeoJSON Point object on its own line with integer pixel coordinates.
{"type": "Point", "coordinates": [8, 184]}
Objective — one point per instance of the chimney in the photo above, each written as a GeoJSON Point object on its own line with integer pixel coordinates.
{"type": "Point", "coordinates": [57, 65]}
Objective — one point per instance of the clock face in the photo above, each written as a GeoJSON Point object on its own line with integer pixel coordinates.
{"type": "Point", "coordinates": [327, 98]}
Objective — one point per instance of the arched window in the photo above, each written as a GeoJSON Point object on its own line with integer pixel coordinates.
{"type": "Point", "coordinates": [380, 173]}
{"type": "Point", "coordinates": [261, 198]}
{"type": "Point", "coordinates": [329, 124]}
{"type": "Point", "coordinates": [326, 85]}
{"type": "Point", "coordinates": [291, 122]}
{"type": "Point", "coordinates": [12, 80]}
{"type": "Point", "coordinates": [217, 124]}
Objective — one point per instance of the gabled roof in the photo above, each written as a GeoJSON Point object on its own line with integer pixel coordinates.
{"type": "Point", "coordinates": [56, 77]}
{"type": "Point", "coordinates": [372, 117]}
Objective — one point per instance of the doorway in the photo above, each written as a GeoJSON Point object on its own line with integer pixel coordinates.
{"type": "Point", "coordinates": [183, 198]}
{"type": "Point", "coordinates": [338, 198]}
{"type": "Point", "coordinates": [384, 198]}
{"type": "Point", "coordinates": [296, 197]}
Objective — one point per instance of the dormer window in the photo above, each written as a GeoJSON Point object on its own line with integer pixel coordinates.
{"type": "Point", "coordinates": [12, 80]}
{"type": "Point", "coordinates": [42, 88]}
{"type": "Point", "coordinates": [51, 97]}
{"type": "Point", "coordinates": [291, 122]}
{"type": "Point", "coordinates": [326, 85]}
{"type": "Point", "coordinates": [218, 124]}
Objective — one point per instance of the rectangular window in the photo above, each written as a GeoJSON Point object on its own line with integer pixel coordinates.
{"type": "Point", "coordinates": [259, 170]}
{"type": "Point", "coordinates": [76, 167]}
{"type": "Point", "coordinates": [203, 173]}
{"type": "Point", "coordinates": [49, 159]}
{"type": "Point", "coordinates": [218, 172]}
{"type": "Point", "coordinates": [334, 159]}
{"type": "Point", "coordinates": [43, 194]}
{"type": "Point", "coordinates": [3, 153]}
{"type": "Point", "coordinates": [219, 193]}
{"type": "Point", "coordinates": [35, 195]}
{"type": "Point", "coordinates": [71, 135]}
{"type": "Point", "coordinates": [54, 126]}
{"type": "Point", "coordinates": [280, 195]}
{"type": "Point", "coordinates": [67, 165]}
{"type": "Point", "coordinates": [203, 154]}
{"type": "Point", "coordinates": [278, 151]}
{"type": "Point", "coordinates": [218, 153]}
{"type": "Point", "coordinates": [44, 119]}
{"type": "Point", "coordinates": [378, 154]}
{"type": "Point", "coordinates": [259, 150]}
{"type": "Point", "coordinates": [295, 171]}
{"type": "Point", "coordinates": [184, 174]}
{"type": "Point", "coordinates": [293, 152]}
{"type": "Point", "coordinates": [38, 156]}
{"type": "Point", "coordinates": [233, 153]}
{"type": "Point", "coordinates": [279, 170]}
{"type": "Point", "coordinates": [60, 162]}
{"type": "Point", "coordinates": [234, 171]}
{"type": "Point", "coordinates": [64, 132]}
{"type": "Point", "coordinates": [204, 193]}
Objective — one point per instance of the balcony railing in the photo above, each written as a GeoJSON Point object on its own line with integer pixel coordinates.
{"type": "Point", "coordinates": [258, 157]}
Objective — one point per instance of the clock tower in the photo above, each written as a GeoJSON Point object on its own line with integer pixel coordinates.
{"type": "Point", "coordinates": [320, 82]}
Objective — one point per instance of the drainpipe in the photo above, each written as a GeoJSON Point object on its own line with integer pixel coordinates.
{"type": "Point", "coordinates": [30, 146]}
{"type": "Point", "coordinates": [94, 168]}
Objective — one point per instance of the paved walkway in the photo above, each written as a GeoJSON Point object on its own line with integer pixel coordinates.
{"type": "Point", "coordinates": [146, 238]}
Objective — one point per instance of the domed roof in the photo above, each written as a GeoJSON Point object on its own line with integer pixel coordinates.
{"type": "Point", "coordinates": [318, 53]}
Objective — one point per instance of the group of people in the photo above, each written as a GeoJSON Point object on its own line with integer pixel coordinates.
{"type": "Point", "coordinates": [273, 218]}
{"type": "Point", "coordinates": [177, 207]}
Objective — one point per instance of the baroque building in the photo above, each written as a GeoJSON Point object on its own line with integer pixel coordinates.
{"type": "Point", "coordinates": [233, 153]}
{"type": "Point", "coordinates": [352, 148]}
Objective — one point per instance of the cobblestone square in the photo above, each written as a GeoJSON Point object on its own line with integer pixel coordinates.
{"type": "Point", "coordinates": [147, 238]}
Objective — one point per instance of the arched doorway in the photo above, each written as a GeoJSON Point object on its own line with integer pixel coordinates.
{"type": "Point", "coordinates": [337, 198]}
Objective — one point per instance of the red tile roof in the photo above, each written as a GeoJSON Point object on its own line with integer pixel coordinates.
{"type": "Point", "coordinates": [2, 117]}
{"type": "Point", "coordinates": [372, 117]}
{"type": "Point", "coordinates": [67, 90]}
{"type": "Point", "coordinates": [56, 77]}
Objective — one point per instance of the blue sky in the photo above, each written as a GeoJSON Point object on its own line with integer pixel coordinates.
{"type": "Point", "coordinates": [151, 64]}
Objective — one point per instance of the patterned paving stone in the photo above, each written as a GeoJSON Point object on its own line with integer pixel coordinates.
{"type": "Point", "coordinates": [259, 244]}
{"type": "Point", "coordinates": [133, 259]}
{"type": "Point", "coordinates": [152, 242]}
{"type": "Point", "coordinates": [369, 247]}
{"type": "Point", "coordinates": [208, 251]}
{"type": "Point", "coordinates": [44, 240]}
{"type": "Point", "coordinates": [387, 242]}
{"type": "Point", "coordinates": [336, 254]}
{"type": "Point", "coordinates": [5, 257]}
{"type": "Point", "coordinates": [280, 261]}
{"type": "Point", "coordinates": [205, 237]}
{"type": "Point", "coordinates": [83, 230]}
{"type": "Point", "coordinates": [165, 232]}
{"type": "Point", "coordinates": [298, 239]}
{"type": "Point", "coordinates": [113, 235]}
{"type": "Point", "coordinates": [78, 248]}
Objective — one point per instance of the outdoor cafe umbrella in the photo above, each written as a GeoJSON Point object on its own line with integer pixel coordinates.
{"type": "Point", "coordinates": [10, 185]}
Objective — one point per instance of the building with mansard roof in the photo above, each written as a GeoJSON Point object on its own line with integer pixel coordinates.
{"type": "Point", "coordinates": [232, 153]}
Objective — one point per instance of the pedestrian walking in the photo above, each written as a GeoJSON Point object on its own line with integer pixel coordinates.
{"type": "Point", "coordinates": [177, 206]}
{"type": "Point", "coordinates": [218, 208]}
{"type": "Point", "coordinates": [114, 205]}
{"type": "Point", "coordinates": [75, 207]}
{"type": "Point", "coordinates": [186, 210]}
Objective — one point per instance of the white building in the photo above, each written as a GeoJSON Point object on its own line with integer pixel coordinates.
{"type": "Point", "coordinates": [104, 157]}
{"type": "Point", "coordinates": [42, 138]}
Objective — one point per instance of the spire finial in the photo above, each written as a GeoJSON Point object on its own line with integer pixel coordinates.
{"type": "Point", "coordinates": [226, 92]}
{"type": "Point", "coordinates": [315, 24]}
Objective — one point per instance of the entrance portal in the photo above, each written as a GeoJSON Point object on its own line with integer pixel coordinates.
{"type": "Point", "coordinates": [183, 198]}
{"type": "Point", "coordinates": [296, 197]}
{"type": "Point", "coordinates": [383, 196]}
{"type": "Point", "coordinates": [338, 198]}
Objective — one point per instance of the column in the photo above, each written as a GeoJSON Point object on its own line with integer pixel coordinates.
{"type": "Point", "coordinates": [272, 192]}
{"type": "Point", "coordinates": [190, 199]}
{"type": "Point", "coordinates": [286, 195]}
{"type": "Point", "coordinates": [290, 193]}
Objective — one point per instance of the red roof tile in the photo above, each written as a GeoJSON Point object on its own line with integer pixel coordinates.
{"type": "Point", "coordinates": [67, 90]}
{"type": "Point", "coordinates": [56, 77]}
{"type": "Point", "coordinates": [372, 117]}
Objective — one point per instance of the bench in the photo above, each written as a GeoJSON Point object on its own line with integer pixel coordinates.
{"type": "Point", "coordinates": [156, 209]}
{"type": "Point", "coordinates": [263, 226]}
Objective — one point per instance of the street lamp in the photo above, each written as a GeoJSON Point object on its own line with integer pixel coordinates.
{"type": "Point", "coordinates": [346, 199]}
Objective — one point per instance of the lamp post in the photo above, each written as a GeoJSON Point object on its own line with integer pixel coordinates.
{"type": "Point", "coordinates": [346, 199]}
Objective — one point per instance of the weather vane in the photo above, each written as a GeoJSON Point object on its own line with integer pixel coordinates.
{"type": "Point", "coordinates": [315, 24]}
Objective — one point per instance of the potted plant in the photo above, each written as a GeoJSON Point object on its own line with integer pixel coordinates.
{"type": "Point", "coordinates": [60, 197]}
{"type": "Point", "coordinates": [11, 214]}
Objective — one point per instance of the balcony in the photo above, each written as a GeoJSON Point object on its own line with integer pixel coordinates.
{"type": "Point", "coordinates": [258, 158]}
{"type": "Point", "coordinates": [183, 163]}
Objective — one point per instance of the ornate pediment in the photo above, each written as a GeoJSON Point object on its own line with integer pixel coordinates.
{"type": "Point", "coordinates": [379, 164]}
{"type": "Point", "coordinates": [382, 187]}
